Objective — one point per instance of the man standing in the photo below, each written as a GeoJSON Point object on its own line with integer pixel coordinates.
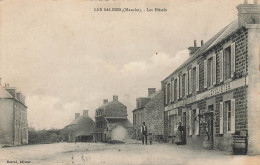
{"type": "Point", "coordinates": [144, 133]}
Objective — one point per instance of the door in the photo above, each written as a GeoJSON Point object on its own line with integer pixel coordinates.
{"type": "Point", "coordinates": [184, 127]}
{"type": "Point", "coordinates": [210, 122]}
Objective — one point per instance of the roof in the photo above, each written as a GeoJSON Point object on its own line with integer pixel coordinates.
{"type": "Point", "coordinates": [109, 103]}
{"type": "Point", "coordinates": [112, 123]}
{"type": "Point", "coordinates": [151, 97]}
{"type": "Point", "coordinates": [84, 126]}
{"type": "Point", "coordinates": [4, 94]}
{"type": "Point", "coordinates": [220, 36]}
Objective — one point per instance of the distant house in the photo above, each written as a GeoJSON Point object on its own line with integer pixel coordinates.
{"type": "Point", "coordinates": [81, 129]}
{"type": "Point", "coordinates": [151, 111]}
{"type": "Point", "coordinates": [13, 116]}
{"type": "Point", "coordinates": [111, 121]}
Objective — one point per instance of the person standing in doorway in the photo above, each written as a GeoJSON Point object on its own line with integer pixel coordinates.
{"type": "Point", "coordinates": [144, 133]}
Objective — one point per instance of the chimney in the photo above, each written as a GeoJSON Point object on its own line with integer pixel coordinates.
{"type": "Point", "coordinates": [85, 113]}
{"type": "Point", "coordinates": [151, 91]}
{"type": "Point", "coordinates": [202, 43]}
{"type": "Point", "coordinates": [194, 48]}
{"type": "Point", "coordinates": [248, 13]}
{"type": "Point", "coordinates": [77, 115]}
{"type": "Point", "coordinates": [105, 101]}
{"type": "Point", "coordinates": [115, 98]}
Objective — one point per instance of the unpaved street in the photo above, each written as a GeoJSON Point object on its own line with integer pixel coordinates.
{"type": "Point", "coordinates": [117, 154]}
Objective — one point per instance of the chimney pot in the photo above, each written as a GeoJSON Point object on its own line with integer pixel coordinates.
{"type": "Point", "coordinates": [151, 91]}
{"type": "Point", "coordinates": [85, 113]}
{"type": "Point", "coordinates": [105, 101]}
{"type": "Point", "coordinates": [115, 98]}
{"type": "Point", "coordinates": [77, 115]}
{"type": "Point", "coordinates": [195, 43]}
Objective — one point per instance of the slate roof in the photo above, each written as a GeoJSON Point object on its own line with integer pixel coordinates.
{"type": "Point", "coordinates": [220, 36]}
{"type": "Point", "coordinates": [85, 126]}
{"type": "Point", "coordinates": [4, 94]}
{"type": "Point", "coordinates": [110, 103]}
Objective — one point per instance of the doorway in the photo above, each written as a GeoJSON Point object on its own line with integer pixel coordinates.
{"type": "Point", "coordinates": [184, 127]}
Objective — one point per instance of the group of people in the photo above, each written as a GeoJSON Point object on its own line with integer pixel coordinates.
{"type": "Point", "coordinates": [178, 139]}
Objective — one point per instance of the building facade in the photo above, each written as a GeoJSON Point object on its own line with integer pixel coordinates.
{"type": "Point", "coordinates": [214, 92]}
{"type": "Point", "coordinates": [13, 116]}
{"type": "Point", "coordinates": [81, 129]}
{"type": "Point", "coordinates": [151, 111]}
{"type": "Point", "coordinates": [111, 121]}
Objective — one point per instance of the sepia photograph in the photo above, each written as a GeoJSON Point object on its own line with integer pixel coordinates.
{"type": "Point", "coordinates": [130, 82]}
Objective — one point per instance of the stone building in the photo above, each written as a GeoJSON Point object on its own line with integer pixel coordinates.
{"type": "Point", "coordinates": [81, 129]}
{"type": "Point", "coordinates": [151, 111]}
{"type": "Point", "coordinates": [13, 116]}
{"type": "Point", "coordinates": [111, 122]}
{"type": "Point", "coordinates": [216, 90]}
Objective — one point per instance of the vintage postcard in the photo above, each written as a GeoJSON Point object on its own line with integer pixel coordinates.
{"type": "Point", "coordinates": [129, 82]}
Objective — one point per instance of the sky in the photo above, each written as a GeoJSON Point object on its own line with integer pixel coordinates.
{"type": "Point", "coordinates": [65, 57]}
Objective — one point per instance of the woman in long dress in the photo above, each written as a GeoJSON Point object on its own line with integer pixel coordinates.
{"type": "Point", "coordinates": [179, 135]}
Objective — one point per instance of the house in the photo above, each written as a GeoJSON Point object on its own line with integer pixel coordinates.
{"type": "Point", "coordinates": [13, 116]}
{"type": "Point", "coordinates": [151, 111]}
{"type": "Point", "coordinates": [111, 121]}
{"type": "Point", "coordinates": [219, 84]}
{"type": "Point", "coordinates": [81, 129]}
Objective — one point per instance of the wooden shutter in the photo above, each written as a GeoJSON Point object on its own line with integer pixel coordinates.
{"type": "Point", "coordinates": [197, 78]}
{"type": "Point", "coordinates": [177, 91]}
{"type": "Point", "coordinates": [186, 83]}
{"type": "Point", "coordinates": [233, 115]}
{"type": "Point", "coordinates": [190, 130]}
{"type": "Point", "coordinates": [221, 64]}
{"type": "Point", "coordinates": [214, 69]}
{"type": "Point", "coordinates": [197, 130]}
{"type": "Point", "coordinates": [233, 59]}
{"type": "Point", "coordinates": [190, 85]}
{"type": "Point", "coordinates": [221, 118]}
{"type": "Point", "coordinates": [180, 86]}
{"type": "Point", "coordinates": [205, 74]}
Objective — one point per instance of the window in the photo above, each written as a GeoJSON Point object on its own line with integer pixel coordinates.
{"type": "Point", "coordinates": [227, 116]}
{"type": "Point", "coordinates": [175, 89]}
{"type": "Point", "coordinates": [210, 72]}
{"type": "Point", "coordinates": [168, 93]}
{"type": "Point", "coordinates": [193, 121]}
{"type": "Point", "coordinates": [193, 79]}
{"type": "Point", "coordinates": [183, 84]}
{"type": "Point", "coordinates": [227, 63]}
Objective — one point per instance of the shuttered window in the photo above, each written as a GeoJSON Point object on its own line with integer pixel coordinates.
{"type": "Point", "coordinates": [190, 85]}
{"type": "Point", "coordinates": [183, 84]}
{"type": "Point", "coordinates": [186, 83]}
{"type": "Point", "coordinates": [178, 96]}
{"type": "Point", "coordinates": [221, 64]}
{"type": "Point", "coordinates": [205, 74]}
{"type": "Point", "coordinates": [197, 78]}
{"type": "Point", "coordinates": [214, 70]}
{"type": "Point", "coordinates": [180, 78]}
{"type": "Point", "coordinates": [172, 90]}
{"type": "Point", "coordinates": [165, 94]}
{"type": "Point", "coordinates": [193, 79]}
{"type": "Point", "coordinates": [175, 89]}
{"type": "Point", "coordinates": [221, 118]}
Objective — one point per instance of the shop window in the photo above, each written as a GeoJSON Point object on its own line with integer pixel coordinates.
{"type": "Point", "coordinates": [227, 63]}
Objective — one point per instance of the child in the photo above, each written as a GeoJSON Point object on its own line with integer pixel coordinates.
{"type": "Point", "coordinates": [150, 138]}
